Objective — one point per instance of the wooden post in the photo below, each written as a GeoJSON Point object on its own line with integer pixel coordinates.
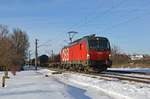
{"type": "Point", "coordinates": [5, 76]}
{"type": "Point", "coordinates": [3, 81]}
{"type": "Point", "coordinates": [6, 72]}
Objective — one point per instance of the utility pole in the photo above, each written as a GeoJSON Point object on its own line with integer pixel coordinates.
{"type": "Point", "coordinates": [52, 55]}
{"type": "Point", "coordinates": [29, 57]}
{"type": "Point", "coordinates": [36, 53]}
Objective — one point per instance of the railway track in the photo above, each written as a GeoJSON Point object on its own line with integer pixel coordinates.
{"type": "Point", "coordinates": [128, 72]}
{"type": "Point", "coordinates": [125, 77]}
{"type": "Point", "coordinates": [114, 75]}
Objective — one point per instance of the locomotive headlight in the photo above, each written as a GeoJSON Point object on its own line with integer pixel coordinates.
{"type": "Point", "coordinates": [88, 56]}
{"type": "Point", "coordinates": [110, 56]}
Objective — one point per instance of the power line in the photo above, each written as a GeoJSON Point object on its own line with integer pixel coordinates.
{"type": "Point", "coordinates": [100, 14]}
{"type": "Point", "coordinates": [127, 21]}
{"type": "Point", "coordinates": [109, 10]}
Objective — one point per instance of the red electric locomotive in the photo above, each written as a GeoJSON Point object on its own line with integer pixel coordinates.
{"type": "Point", "coordinates": [90, 53]}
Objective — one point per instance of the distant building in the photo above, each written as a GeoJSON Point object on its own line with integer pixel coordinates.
{"type": "Point", "coordinates": [136, 57]}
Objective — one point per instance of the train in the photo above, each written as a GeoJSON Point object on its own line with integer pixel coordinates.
{"type": "Point", "coordinates": [88, 54]}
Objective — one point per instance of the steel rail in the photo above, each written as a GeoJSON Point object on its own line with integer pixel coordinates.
{"type": "Point", "coordinates": [125, 77]}
{"type": "Point", "coordinates": [120, 74]}
{"type": "Point", "coordinates": [108, 75]}
{"type": "Point", "coordinates": [129, 72]}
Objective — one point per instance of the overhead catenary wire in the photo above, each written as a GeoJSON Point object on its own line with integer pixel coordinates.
{"type": "Point", "coordinates": [126, 21]}
{"type": "Point", "coordinates": [100, 14]}
{"type": "Point", "coordinates": [111, 9]}
{"type": "Point", "coordinates": [108, 10]}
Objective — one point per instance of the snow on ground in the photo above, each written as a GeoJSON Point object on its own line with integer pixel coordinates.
{"type": "Point", "coordinates": [89, 91]}
{"type": "Point", "coordinates": [31, 85]}
{"type": "Point", "coordinates": [116, 88]}
{"type": "Point", "coordinates": [35, 85]}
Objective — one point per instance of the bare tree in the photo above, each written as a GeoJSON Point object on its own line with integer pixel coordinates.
{"type": "Point", "coordinates": [5, 46]}
{"type": "Point", "coordinates": [3, 31]}
{"type": "Point", "coordinates": [13, 47]}
{"type": "Point", "coordinates": [115, 50]}
{"type": "Point", "coordinates": [20, 43]}
{"type": "Point", "coordinates": [5, 49]}
{"type": "Point", "coordinates": [118, 57]}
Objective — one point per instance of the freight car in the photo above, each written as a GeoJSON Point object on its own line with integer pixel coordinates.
{"type": "Point", "coordinates": [88, 54]}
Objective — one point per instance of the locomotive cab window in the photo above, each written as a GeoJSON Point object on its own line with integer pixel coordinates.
{"type": "Point", "coordinates": [99, 44]}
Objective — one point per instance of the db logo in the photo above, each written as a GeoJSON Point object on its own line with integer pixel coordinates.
{"type": "Point", "coordinates": [65, 54]}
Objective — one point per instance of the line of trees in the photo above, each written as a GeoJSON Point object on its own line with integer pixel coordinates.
{"type": "Point", "coordinates": [121, 59]}
{"type": "Point", "coordinates": [118, 57]}
{"type": "Point", "coordinates": [13, 46]}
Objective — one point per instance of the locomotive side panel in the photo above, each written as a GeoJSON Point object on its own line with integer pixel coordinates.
{"type": "Point", "coordinates": [75, 54]}
{"type": "Point", "coordinates": [84, 51]}
{"type": "Point", "coordinates": [64, 55]}
{"type": "Point", "coordinates": [79, 52]}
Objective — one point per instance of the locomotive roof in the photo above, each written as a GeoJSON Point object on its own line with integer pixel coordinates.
{"type": "Point", "coordinates": [85, 37]}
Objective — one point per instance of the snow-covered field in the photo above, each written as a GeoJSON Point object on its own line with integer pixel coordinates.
{"type": "Point", "coordinates": [117, 89]}
{"type": "Point", "coordinates": [34, 85]}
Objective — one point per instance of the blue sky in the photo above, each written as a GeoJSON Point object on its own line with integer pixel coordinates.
{"type": "Point", "coordinates": [125, 22]}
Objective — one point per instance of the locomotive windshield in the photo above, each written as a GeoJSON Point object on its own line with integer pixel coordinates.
{"type": "Point", "coordinates": [99, 44]}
